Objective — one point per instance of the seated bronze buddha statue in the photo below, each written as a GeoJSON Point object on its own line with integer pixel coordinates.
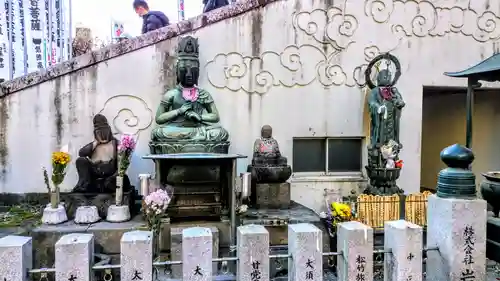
{"type": "Point", "coordinates": [97, 164]}
{"type": "Point", "coordinates": [268, 165]}
{"type": "Point", "coordinates": [187, 114]}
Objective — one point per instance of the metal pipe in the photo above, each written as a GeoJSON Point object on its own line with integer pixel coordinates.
{"type": "Point", "coordinates": [332, 254]}
{"type": "Point", "coordinates": [246, 181]}
{"type": "Point", "coordinates": [106, 266]}
{"type": "Point", "coordinates": [469, 109]}
{"type": "Point", "coordinates": [144, 182]}
{"type": "Point", "coordinates": [232, 189]}
{"type": "Point", "coordinates": [42, 270]}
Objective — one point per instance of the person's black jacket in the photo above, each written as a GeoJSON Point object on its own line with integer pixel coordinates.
{"type": "Point", "coordinates": [214, 4]}
{"type": "Point", "coordinates": [154, 20]}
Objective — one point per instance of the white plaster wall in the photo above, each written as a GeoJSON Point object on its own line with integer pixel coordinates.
{"type": "Point", "coordinates": [286, 65]}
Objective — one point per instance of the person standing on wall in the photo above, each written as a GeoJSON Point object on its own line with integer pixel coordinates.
{"type": "Point", "coordinates": [151, 20]}
{"type": "Point", "coordinates": [214, 4]}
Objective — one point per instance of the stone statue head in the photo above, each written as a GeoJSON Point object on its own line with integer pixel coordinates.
{"type": "Point", "coordinates": [102, 130]}
{"type": "Point", "coordinates": [266, 132]}
{"type": "Point", "coordinates": [188, 64]}
{"type": "Point", "coordinates": [384, 78]}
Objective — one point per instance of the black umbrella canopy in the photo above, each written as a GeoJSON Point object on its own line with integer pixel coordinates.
{"type": "Point", "coordinates": [487, 70]}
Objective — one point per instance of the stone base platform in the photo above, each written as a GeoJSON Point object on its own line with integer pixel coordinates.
{"type": "Point", "coordinates": [276, 222]}
{"type": "Point", "coordinates": [73, 200]}
{"type": "Point", "coordinates": [189, 147]}
{"type": "Point", "coordinates": [101, 200]}
{"type": "Point", "coordinates": [271, 195]}
{"type": "Point", "coordinates": [107, 237]}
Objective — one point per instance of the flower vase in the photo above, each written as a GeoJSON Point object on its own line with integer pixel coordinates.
{"type": "Point", "coordinates": [119, 190]}
{"type": "Point", "coordinates": [156, 243]}
{"type": "Point", "coordinates": [54, 197]}
{"type": "Point", "coordinates": [54, 212]}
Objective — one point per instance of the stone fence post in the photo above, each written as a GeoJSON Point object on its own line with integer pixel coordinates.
{"type": "Point", "coordinates": [16, 256]}
{"type": "Point", "coordinates": [253, 253]}
{"type": "Point", "coordinates": [458, 228]}
{"type": "Point", "coordinates": [305, 244]}
{"type": "Point", "coordinates": [74, 257]}
{"type": "Point", "coordinates": [355, 241]}
{"type": "Point", "coordinates": [136, 256]}
{"type": "Point", "coordinates": [197, 254]}
{"type": "Point", "coordinates": [405, 241]}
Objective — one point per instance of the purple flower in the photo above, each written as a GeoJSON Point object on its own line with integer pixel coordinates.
{"type": "Point", "coordinates": [127, 143]}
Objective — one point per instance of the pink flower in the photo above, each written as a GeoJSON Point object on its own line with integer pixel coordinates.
{"type": "Point", "coordinates": [127, 143]}
{"type": "Point", "coordinates": [158, 200]}
{"type": "Point", "coordinates": [190, 94]}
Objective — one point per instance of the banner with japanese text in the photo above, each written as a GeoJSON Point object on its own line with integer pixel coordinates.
{"type": "Point", "coordinates": [34, 19]}
{"type": "Point", "coordinates": [17, 38]}
{"type": "Point", "coordinates": [65, 30]}
{"type": "Point", "coordinates": [4, 41]}
{"type": "Point", "coordinates": [33, 35]}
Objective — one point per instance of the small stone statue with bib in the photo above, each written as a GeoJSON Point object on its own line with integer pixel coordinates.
{"type": "Point", "coordinates": [270, 173]}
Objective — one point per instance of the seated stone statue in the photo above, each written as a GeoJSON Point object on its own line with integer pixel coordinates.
{"type": "Point", "coordinates": [97, 165]}
{"type": "Point", "coordinates": [187, 113]}
{"type": "Point", "coordinates": [268, 165]}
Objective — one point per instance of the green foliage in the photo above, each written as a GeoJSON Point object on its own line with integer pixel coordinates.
{"type": "Point", "coordinates": [19, 215]}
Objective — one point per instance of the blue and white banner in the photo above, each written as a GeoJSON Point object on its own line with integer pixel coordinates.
{"type": "Point", "coordinates": [33, 35]}
{"type": "Point", "coordinates": [4, 41]}
{"type": "Point", "coordinates": [17, 39]}
{"type": "Point", "coordinates": [34, 18]}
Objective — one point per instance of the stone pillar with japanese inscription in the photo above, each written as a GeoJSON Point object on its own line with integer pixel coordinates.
{"type": "Point", "coordinates": [197, 254]}
{"type": "Point", "coordinates": [305, 244]}
{"type": "Point", "coordinates": [16, 257]}
{"type": "Point", "coordinates": [355, 241]}
{"type": "Point", "coordinates": [176, 249]}
{"type": "Point", "coordinates": [74, 257]}
{"type": "Point", "coordinates": [253, 253]}
{"type": "Point", "coordinates": [136, 256]}
{"type": "Point", "coordinates": [457, 227]}
{"type": "Point", "coordinates": [405, 242]}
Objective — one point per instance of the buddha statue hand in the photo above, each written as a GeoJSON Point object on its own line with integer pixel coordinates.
{"type": "Point", "coordinates": [185, 108]}
{"type": "Point", "coordinates": [400, 104]}
{"type": "Point", "coordinates": [382, 110]}
{"type": "Point", "coordinates": [193, 116]}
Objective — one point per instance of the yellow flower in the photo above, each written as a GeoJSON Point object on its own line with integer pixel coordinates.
{"type": "Point", "coordinates": [341, 210]}
{"type": "Point", "coordinates": [60, 158]}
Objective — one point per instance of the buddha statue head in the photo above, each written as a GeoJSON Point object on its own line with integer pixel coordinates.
{"type": "Point", "coordinates": [266, 132]}
{"type": "Point", "coordinates": [384, 78]}
{"type": "Point", "coordinates": [102, 130]}
{"type": "Point", "coordinates": [188, 65]}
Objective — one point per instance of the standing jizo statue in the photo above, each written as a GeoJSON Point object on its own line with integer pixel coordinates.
{"type": "Point", "coordinates": [385, 105]}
